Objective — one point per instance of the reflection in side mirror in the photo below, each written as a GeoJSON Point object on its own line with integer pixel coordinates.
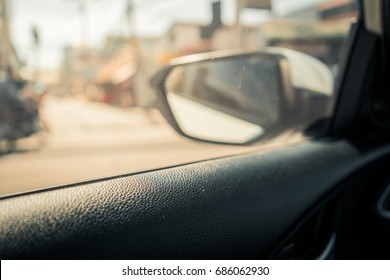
{"type": "Point", "coordinates": [204, 122]}
{"type": "Point", "coordinates": [238, 98]}
{"type": "Point", "coordinates": [225, 100]}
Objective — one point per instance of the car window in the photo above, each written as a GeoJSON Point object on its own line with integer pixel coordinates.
{"type": "Point", "coordinates": [75, 93]}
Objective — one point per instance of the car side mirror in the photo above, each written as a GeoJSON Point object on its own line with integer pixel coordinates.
{"type": "Point", "coordinates": [236, 98]}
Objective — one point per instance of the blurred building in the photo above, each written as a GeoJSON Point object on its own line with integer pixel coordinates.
{"type": "Point", "coordinates": [321, 34]}
{"type": "Point", "coordinates": [9, 60]}
{"type": "Point", "coordinates": [115, 75]}
{"type": "Point", "coordinates": [79, 69]}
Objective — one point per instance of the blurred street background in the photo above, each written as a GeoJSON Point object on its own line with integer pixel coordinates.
{"type": "Point", "coordinates": [89, 62]}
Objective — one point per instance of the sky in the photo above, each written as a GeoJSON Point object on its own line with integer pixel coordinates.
{"type": "Point", "coordinates": [59, 22]}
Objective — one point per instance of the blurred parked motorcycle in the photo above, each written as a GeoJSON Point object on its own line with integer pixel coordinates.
{"type": "Point", "coordinates": [18, 117]}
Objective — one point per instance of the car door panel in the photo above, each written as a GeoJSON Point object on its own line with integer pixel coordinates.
{"type": "Point", "coordinates": [230, 208]}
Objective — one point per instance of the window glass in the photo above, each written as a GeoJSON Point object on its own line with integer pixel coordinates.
{"type": "Point", "coordinates": [75, 97]}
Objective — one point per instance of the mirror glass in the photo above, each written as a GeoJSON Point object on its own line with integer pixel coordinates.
{"type": "Point", "coordinates": [234, 99]}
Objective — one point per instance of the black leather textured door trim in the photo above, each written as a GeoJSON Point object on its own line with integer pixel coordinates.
{"type": "Point", "coordinates": [228, 208]}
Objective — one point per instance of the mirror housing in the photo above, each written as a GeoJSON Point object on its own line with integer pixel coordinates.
{"type": "Point", "coordinates": [239, 97]}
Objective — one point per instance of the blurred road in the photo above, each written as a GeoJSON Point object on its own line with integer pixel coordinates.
{"type": "Point", "coordinates": [91, 140]}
